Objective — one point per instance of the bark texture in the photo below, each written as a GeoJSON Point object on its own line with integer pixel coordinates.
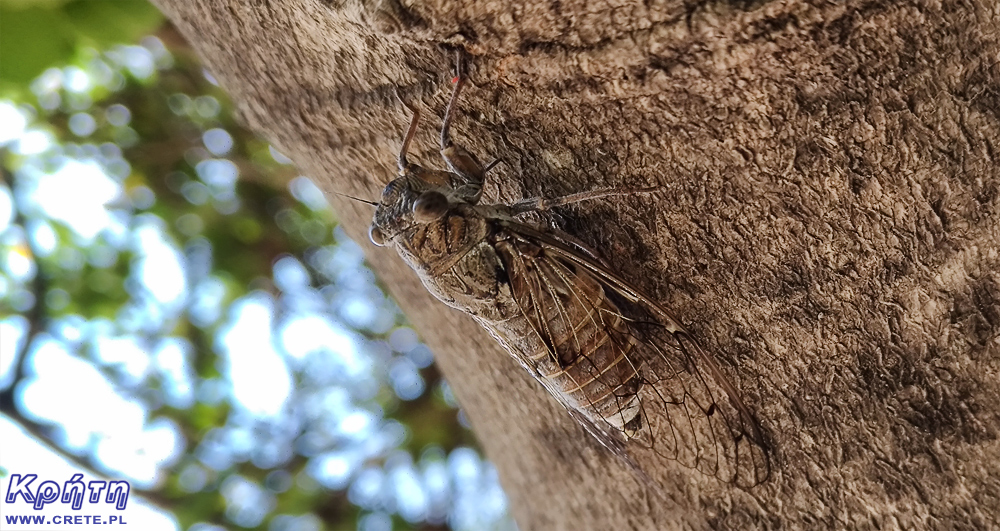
{"type": "Point", "coordinates": [829, 224]}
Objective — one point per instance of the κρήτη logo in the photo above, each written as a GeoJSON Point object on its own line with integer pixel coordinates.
{"type": "Point", "coordinates": [72, 492]}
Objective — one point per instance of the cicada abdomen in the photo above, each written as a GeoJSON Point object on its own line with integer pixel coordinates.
{"type": "Point", "coordinates": [630, 372]}
{"type": "Point", "coordinates": [573, 337]}
{"type": "Point", "coordinates": [619, 362]}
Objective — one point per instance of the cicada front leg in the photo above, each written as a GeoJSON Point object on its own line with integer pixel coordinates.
{"type": "Point", "coordinates": [401, 161]}
{"type": "Point", "coordinates": [460, 161]}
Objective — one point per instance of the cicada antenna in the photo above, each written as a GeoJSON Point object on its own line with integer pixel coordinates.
{"type": "Point", "coordinates": [365, 201]}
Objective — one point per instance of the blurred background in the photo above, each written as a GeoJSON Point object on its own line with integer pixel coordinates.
{"type": "Point", "coordinates": [179, 309]}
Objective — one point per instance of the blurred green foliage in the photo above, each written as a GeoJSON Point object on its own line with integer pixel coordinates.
{"type": "Point", "coordinates": [154, 122]}
{"type": "Point", "coordinates": [38, 34]}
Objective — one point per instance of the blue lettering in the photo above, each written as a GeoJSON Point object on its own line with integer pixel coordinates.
{"type": "Point", "coordinates": [113, 518]}
{"type": "Point", "coordinates": [22, 484]}
{"type": "Point", "coordinates": [73, 490]}
{"type": "Point", "coordinates": [121, 520]}
{"type": "Point", "coordinates": [48, 492]}
{"type": "Point", "coordinates": [96, 487]}
{"type": "Point", "coordinates": [22, 519]}
{"type": "Point", "coordinates": [118, 493]}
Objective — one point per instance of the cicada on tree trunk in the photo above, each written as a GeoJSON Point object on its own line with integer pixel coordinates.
{"type": "Point", "coordinates": [617, 359]}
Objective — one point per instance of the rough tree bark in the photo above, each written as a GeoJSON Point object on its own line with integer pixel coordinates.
{"type": "Point", "coordinates": [830, 222]}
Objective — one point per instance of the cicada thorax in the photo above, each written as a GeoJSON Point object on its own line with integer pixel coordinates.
{"type": "Point", "coordinates": [457, 263]}
{"type": "Point", "coordinates": [574, 338]}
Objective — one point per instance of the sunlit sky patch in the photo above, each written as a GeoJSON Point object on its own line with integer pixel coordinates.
{"type": "Point", "coordinates": [6, 208]}
{"type": "Point", "coordinates": [12, 122]}
{"type": "Point", "coordinates": [278, 156]}
{"type": "Point", "coordinates": [139, 61]}
{"type": "Point", "coordinates": [75, 79]}
{"type": "Point", "coordinates": [218, 141]}
{"type": "Point", "coordinates": [126, 355]}
{"type": "Point", "coordinates": [21, 448]}
{"type": "Point", "coordinates": [17, 260]}
{"type": "Point", "coordinates": [306, 334]}
{"type": "Point", "coordinates": [160, 270]}
{"type": "Point", "coordinates": [246, 503]}
{"type": "Point", "coordinates": [11, 336]}
{"type": "Point", "coordinates": [259, 376]}
{"type": "Point", "coordinates": [219, 174]}
{"type": "Point", "coordinates": [305, 190]}
{"type": "Point", "coordinates": [76, 194]}
{"type": "Point", "coordinates": [72, 393]}
{"type": "Point", "coordinates": [171, 359]}
{"type": "Point", "coordinates": [33, 142]}
{"type": "Point", "coordinates": [44, 237]}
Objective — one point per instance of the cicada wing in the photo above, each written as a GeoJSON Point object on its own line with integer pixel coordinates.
{"type": "Point", "coordinates": [575, 338]}
{"type": "Point", "coordinates": [689, 411]}
{"type": "Point", "coordinates": [610, 438]}
{"type": "Point", "coordinates": [690, 418]}
{"type": "Point", "coordinates": [604, 433]}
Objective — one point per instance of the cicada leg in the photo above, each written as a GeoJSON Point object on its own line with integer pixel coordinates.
{"type": "Point", "coordinates": [410, 133]}
{"type": "Point", "coordinates": [459, 160]}
{"type": "Point", "coordinates": [491, 165]}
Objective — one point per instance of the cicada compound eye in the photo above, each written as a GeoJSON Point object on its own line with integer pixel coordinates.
{"type": "Point", "coordinates": [390, 193]}
{"type": "Point", "coordinates": [376, 236]}
{"type": "Point", "coordinates": [429, 206]}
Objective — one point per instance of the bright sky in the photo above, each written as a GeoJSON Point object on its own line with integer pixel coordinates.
{"type": "Point", "coordinates": [69, 391]}
{"type": "Point", "coordinates": [19, 449]}
{"type": "Point", "coordinates": [64, 387]}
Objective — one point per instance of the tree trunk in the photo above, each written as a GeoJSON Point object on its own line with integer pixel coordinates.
{"type": "Point", "coordinates": [829, 224]}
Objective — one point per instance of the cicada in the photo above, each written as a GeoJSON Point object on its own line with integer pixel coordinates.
{"type": "Point", "coordinates": [618, 360]}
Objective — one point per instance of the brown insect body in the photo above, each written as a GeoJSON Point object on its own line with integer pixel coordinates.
{"type": "Point", "coordinates": [548, 300]}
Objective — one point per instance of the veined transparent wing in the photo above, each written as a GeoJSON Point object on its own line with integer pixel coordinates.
{"type": "Point", "coordinates": [625, 365]}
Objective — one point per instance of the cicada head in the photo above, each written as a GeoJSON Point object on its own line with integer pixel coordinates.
{"type": "Point", "coordinates": [419, 196]}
